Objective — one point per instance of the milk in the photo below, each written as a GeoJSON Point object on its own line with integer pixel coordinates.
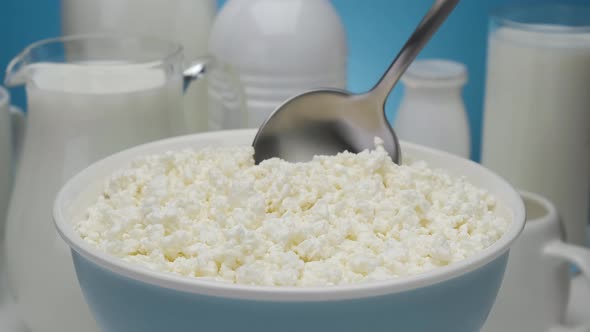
{"type": "Point", "coordinates": [537, 117]}
{"type": "Point", "coordinates": [77, 115]}
{"type": "Point", "coordinates": [187, 22]}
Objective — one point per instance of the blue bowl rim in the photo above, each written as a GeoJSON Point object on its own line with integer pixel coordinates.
{"type": "Point", "coordinates": [281, 293]}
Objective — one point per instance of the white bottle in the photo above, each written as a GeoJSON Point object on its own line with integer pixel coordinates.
{"type": "Point", "coordinates": [432, 111]}
{"type": "Point", "coordinates": [280, 48]}
{"type": "Point", "coordinates": [187, 22]}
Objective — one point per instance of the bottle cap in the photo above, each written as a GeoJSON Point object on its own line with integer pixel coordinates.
{"type": "Point", "coordinates": [435, 72]}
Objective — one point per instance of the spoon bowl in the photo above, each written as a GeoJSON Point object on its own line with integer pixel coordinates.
{"type": "Point", "coordinates": [329, 121]}
{"type": "Point", "coordinates": [322, 122]}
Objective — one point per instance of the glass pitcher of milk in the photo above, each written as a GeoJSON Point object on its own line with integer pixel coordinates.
{"type": "Point", "coordinates": [88, 97]}
{"type": "Point", "coordinates": [187, 22]}
{"type": "Point", "coordinates": [537, 106]}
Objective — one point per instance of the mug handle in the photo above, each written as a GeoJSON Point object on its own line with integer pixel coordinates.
{"type": "Point", "coordinates": [18, 121]}
{"type": "Point", "coordinates": [580, 256]}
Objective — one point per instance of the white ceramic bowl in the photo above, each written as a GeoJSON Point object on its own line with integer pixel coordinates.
{"type": "Point", "coordinates": [130, 298]}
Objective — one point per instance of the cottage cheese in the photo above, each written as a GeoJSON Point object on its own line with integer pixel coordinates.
{"type": "Point", "coordinates": [350, 218]}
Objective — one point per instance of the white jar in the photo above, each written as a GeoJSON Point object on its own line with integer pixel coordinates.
{"type": "Point", "coordinates": [280, 48]}
{"type": "Point", "coordinates": [432, 111]}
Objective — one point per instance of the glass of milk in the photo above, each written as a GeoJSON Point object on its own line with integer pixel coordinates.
{"type": "Point", "coordinates": [88, 97]}
{"type": "Point", "coordinates": [537, 106]}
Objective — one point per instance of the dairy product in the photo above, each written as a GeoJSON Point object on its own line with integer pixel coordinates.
{"type": "Point", "coordinates": [187, 22]}
{"type": "Point", "coordinates": [279, 50]}
{"type": "Point", "coordinates": [537, 116]}
{"type": "Point", "coordinates": [77, 114]}
{"type": "Point", "coordinates": [349, 218]}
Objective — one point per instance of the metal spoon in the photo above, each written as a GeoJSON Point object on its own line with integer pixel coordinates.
{"type": "Point", "coordinates": [325, 122]}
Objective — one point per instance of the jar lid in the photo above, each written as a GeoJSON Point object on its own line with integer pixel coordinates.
{"type": "Point", "coordinates": [435, 72]}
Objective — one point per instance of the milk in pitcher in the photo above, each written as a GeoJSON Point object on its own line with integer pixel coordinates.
{"type": "Point", "coordinates": [187, 22]}
{"type": "Point", "coordinates": [78, 113]}
{"type": "Point", "coordinates": [109, 99]}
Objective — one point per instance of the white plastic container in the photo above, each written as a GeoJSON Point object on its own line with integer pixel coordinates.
{"type": "Point", "coordinates": [280, 48]}
{"type": "Point", "coordinates": [537, 107]}
{"type": "Point", "coordinates": [432, 111]}
{"type": "Point", "coordinates": [187, 22]}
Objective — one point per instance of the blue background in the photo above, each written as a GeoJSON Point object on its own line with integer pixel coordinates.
{"type": "Point", "coordinates": [376, 30]}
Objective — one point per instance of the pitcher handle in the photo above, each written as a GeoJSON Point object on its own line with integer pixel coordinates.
{"type": "Point", "coordinates": [195, 70]}
{"type": "Point", "coordinates": [18, 123]}
{"type": "Point", "coordinates": [578, 255]}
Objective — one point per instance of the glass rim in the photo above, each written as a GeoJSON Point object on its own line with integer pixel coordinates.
{"type": "Point", "coordinates": [500, 15]}
{"type": "Point", "coordinates": [171, 50]}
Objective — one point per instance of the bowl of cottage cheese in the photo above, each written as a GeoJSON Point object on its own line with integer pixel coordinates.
{"type": "Point", "coordinates": [190, 234]}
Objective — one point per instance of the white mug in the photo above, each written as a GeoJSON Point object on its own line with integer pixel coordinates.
{"type": "Point", "coordinates": [11, 124]}
{"type": "Point", "coordinates": [535, 290]}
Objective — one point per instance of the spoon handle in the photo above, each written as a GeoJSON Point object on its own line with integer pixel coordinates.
{"type": "Point", "coordinates": [437, 14]}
